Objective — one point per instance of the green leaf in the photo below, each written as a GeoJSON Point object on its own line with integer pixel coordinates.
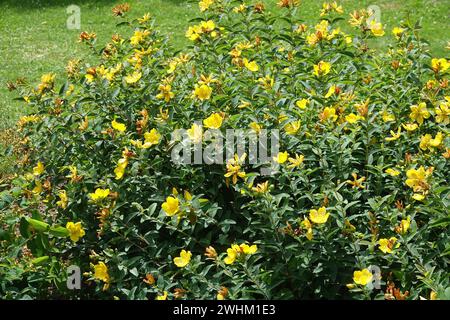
{"type": "Point", "coordinates": [59, 231]}
{"type": "Point", "coordinates": [38, 225]}
{"type": "Point", "coordinates": [39, 260]}
{"type": "Point", "coordinates": [24, 228]}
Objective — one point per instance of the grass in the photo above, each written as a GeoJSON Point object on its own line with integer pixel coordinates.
{"type": "Point", "coordinates": [35, 40]}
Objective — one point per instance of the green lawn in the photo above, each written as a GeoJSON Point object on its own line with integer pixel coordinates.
{"type": "Point", "coordinates": [34, 38]}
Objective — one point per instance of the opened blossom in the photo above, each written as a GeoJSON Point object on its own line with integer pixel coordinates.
{"type": "Point", "coordinates": [183, 260]}
{"type": "Point", "coordinates": [319, 216]}
{"type": "Point", "coordinates": [362, 277]}
{"type": "Point", "coordinates": [237, 251]}
{"type": "Point", "coordinates": [171, 206]}
{"type": "Point", "coordinates": [419, 112]}
{"type": "Point", "coordinates": [76, 231]}
{"type": "Point", "coordinates": [388, 245]}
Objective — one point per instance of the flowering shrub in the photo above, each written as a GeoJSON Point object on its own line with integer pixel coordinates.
{"type": "Point", "coordinates": [357, 209]}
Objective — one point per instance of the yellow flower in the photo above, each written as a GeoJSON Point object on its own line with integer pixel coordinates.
{"type": "Point", "coordinates": [73, 174]}
{"type": "Point", "coordinates": [165, 92]}
{"type": "Point", "coordinates": [331, 91]}
{"type": "Point", "coordinates": [256, 127]}
{"type": "Point", "coordinates": [144, 19]}
{"type": "Point", "coordinates": [353, 118]}
{"type": "Point", "coordinates": [27, 119]}
{"type": "Point", "coordinates": [362, 277]}
{"type": "Point", "coordinates": [101, 272]}
{"type": "Point", "coordinates": [387, 245]}
{"type": "Point", "coordinates": [133, 78]}
{"type": "Point", "coordinates": [356, 183]}
{"type": "Point", "coordinates": [267, 82]}
{"type": "Point", "coordinates": [37, 188]}
{"type": "Point", "coordinates": [231, 256]}
{"type": "Point", "coordinates": [207, 26]}
{"type": "Point", "coordinates": [312, 39]}
{"type": "Point", "coordinates": [194, 32]}
{"type": "Point", "coordinates": [151, 138]}
{"type": "Point", "coordinates": [443, 113]}
{"type": "Point", "coordinates": [234, 168]}
{"type": "Point", "coordinates": [214, 121]}
{"type": "Point", "coordinates": [281, 157]}
{"type": "Point", "coordinates": [118, 126]}
{"type": "Point", "coordinates": [440, 65]}
{"type": "Point", "coordinates": [376, 28]}
{"type": "Point", "coordinates": [48, 78]}
{"type": "Point", "coordinates": [419, 112]}
{"type": "Point", "coordinates": [76, 231]}
{"type": "Point", "coordinates": [138, 37]}
{"type": "Point", "coordinates": [410, 126]}
{"type": "Point", "coordinates": [292, 127]}
{"type": "Point", "coordinates": [446, 154]}
{"type": "Point", "coordinates": [417, 179]}
{"type": "Point", "coordinates": [322, 68]}
{"type": "Point", "coordinates": [39, 169]}
{"type": "Point", "coordinates": [437, 141]}
{"type": "Point", "coordinates": [183, 260]}
{"type": "Point", "coordinates": [319, 216]}
{"type": "Point", "coordinates": [162, 297]}
{"type": "Point", "coordinates": [306, 224]}
{"type": "Point", "coordinates": [329, 113]}
{"type": "Point", "coordinates": [404, 226]}
{"type": "Point", "coordinates": [418, 196]}
{"type": "Point", "coordinates": [397, 32]}
{"type": "Point", "coordinates": [203, 92]}
{"type": "Point", "coordinates": [394, 135]}
{"type": "Point", "coordinates": [357, 17]}
{"type": "Point", "coordinates": [246, 249]}
{"type": "Point", "coordinates": [297, 161]}
{"type": "Point", "coordinates": [239, 9]}
{"type": "Point", "coordinates": [120, 169]}
{"type": "Point", "coordinates": [392, 172]}
{"type": "Point", "coordinates": [427, 142]}
{"type": "Point", "coordinates": [84, 124]}
{"type": "Point", "coordinates": [433, 296]}
{"type": "Point", "coordinates": [252, 65]}
{"type": "Point", "coordinates": [47, 82]}
{"type": "Point", "coordinates": [388, 117]}
{"type": "Point", "coordinates": [302, 104]}
{"type": "Point", "coordinates": [171, 206]}
{"type": "Point", "coordinates": [237, 250]}
{"type": "Point", "coordinates": [62, 203]}
{"type": "Point", "coordinates": [261, 187]}
{"type": "Point", "coordinates": [282, 117]}
{"type": "Point", "coordinates": [207, 79]}
{"type": "Point", "coordinates": [205, 4]}
{"type": "Point", "coordinates": [195, 133]}
{"type": "Point", "coordinates": [89, 78]}
{"type": "Point", "coordinates": [99, 194]}
{"type": "Point", "coordinates": [222, 293]}
{"type": "Point", "coordinates": [244, 104]}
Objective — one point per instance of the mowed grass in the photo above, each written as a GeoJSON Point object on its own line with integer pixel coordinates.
{"type": "Point", "coordinates": [34, 38]}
